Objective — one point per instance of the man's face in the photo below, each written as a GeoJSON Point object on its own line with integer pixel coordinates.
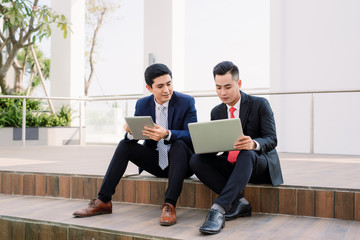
{"type": "Point", "coordinates": [162, 88]}
{"type": "Point", "coordinates": [227, 89]}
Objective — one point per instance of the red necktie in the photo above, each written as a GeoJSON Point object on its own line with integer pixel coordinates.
{"type": "Point", "coordinates": [232, 154]}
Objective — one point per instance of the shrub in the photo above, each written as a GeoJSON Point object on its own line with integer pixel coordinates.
{"type": "Point", "coordinates": [11, 114]}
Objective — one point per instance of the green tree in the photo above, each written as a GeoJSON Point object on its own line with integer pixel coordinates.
{"type": "Point", "coordinates": [24, 23]}
{"type": "Point", "coordinates": [95, 15]}
{"type": "Point", "coordinates": [27, 62]}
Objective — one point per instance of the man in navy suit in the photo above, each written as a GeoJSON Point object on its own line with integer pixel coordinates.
{"type": "Point", "coordinates": [255, 160]}
{"type": "Point", "coordinates": [166, 154]}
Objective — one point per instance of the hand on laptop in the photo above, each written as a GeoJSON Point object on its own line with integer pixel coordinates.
{"type": "Point", "coordinates": [244, 143]}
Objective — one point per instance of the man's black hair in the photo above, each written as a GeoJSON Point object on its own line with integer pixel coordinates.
{"type": "Point", "coordinates": [226, 67]}
{"type": "Point", "coordinates": [154, 71]}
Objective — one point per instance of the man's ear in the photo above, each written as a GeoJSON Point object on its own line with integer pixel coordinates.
{"type": "Point", "coordinates": [149, 88]}
{"type": "Point", "coordinates": [239, 83]}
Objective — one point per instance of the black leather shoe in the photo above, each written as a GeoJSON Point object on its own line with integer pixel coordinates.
{"type": "Point", "coordinates": [238, 209]}
{"type": "Point", "coordinates": [214, 222]}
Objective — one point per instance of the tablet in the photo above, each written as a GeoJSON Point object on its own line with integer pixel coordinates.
{"type": "Point", "coordinates": [136, 125]}
{"type": "Point", "coordinates": [215, 136]}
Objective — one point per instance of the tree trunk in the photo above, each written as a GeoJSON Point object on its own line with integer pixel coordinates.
{"type": "Point", "coordinates": [19, 74]}
{"type": "Point", "coordinates": [91, 55]}
{"type": "Point", "coordinates": [5, 68]}
{"type": "Point", "coordinates": [30, 88]}
{"type": "Point", "coordinates": [3, 84]}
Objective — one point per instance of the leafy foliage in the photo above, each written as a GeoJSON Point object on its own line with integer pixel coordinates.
{"type": "Point", "coordinates": [24, 23]}
{"type": "Point", "coordinates": [19, 14]}
{"type": "Point", "coordinates": [30, 66]}
{"type": "Point", "coordinates": [11, 114]}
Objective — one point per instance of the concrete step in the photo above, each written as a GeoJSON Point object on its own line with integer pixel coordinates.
{"type": "Point", "coordinates": [315, 185]}
{"type": "Point", "coordinates": [27, 217]}
{"type": "Point", "coordinates": [292, 200]}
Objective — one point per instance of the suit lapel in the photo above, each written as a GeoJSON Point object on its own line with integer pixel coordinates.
{"type": "Point", "coordinates": [223, 111]}
{"type": "Point", "coordinates": [151, 109]}
{"type": "Point", "coordinates": [244, 108]}
{"type": "Point", "coordinates": [171, 110]}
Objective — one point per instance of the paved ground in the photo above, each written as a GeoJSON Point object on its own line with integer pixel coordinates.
{"type": "Point", "coordinates": [144, 220]}
{"type": "Point", "coordinates": [312, 170]}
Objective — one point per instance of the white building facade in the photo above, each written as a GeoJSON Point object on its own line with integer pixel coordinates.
{"type": "Point", "coordinates": [285, 46]}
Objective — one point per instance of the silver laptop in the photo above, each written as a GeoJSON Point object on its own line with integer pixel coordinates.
{"type": "Point", "coordinates": [215, 136]}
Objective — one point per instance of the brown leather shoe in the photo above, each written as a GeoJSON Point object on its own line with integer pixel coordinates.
{"type": "Point", "coordinates": [96, 207]}
{"type": "Point", "coordinates": [168, 215]}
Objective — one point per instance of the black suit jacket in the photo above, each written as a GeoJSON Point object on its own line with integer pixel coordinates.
{"type": "Point", "coordinates": [258, 122]}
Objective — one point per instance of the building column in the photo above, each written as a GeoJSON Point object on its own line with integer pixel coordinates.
{"type": "Point", "coordinates": [164, 39]}
{"type": "Point", "coordinates": [67, 55]}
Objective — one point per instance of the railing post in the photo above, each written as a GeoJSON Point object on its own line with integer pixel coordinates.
{"type": "Point", "coordinates": [312, 123]}
{"type": "Point", "coordinates": [80, 124]}
{"type": "Point", "coordinates": [126, 107]}
{"type": "Point", "coordinates": [23, 127]}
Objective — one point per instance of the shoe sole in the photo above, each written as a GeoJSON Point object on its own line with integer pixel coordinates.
{"type": "Point", "coordinates": [211, 232]}
{"type": "Point", "coordinates": [248, 214]}
{"type": "Point", "coordinates": [167, 223]}
{"type": "Point", "coordinates": [83, 216]}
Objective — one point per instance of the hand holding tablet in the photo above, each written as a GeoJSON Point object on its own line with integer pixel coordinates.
{"type": "Point", "coordinates": [137, 124]}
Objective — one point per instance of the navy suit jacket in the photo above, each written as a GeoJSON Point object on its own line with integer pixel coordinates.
{"type": "Point", "coordinates": [181, 112]}
{"type": "Point", "coordinates": [258, 122]}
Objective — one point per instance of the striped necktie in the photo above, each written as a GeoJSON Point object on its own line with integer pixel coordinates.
{"type": "Point", "coordinates": [161, 147]}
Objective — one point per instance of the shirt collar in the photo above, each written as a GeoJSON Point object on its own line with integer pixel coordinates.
{"type": "Point", "coordinates": [157, 105]}
{"type": "Point", "coordinates": [237, 104]}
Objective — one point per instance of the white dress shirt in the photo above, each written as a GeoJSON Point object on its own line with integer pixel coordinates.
{"type": "Point", "coordinates": [237, 115]}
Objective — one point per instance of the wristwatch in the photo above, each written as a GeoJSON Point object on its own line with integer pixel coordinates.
{"type": "Point", "coordinates": [167, 134]}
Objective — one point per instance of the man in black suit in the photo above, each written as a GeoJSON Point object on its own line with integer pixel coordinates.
{"type": "Point", "coordinates": [166, 154]}
{"type": "Point", "coordinates": [256, 160]}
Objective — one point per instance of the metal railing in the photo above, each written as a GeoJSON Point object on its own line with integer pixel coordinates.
{"type": "Point", "coordinates": [265, 92]}
{"type": "Point", "coordinates": [23, 127]}
{"type": "Point", "coordinates": [262, 92]}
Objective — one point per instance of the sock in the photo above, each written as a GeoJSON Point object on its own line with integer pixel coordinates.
{"type": "Point", "coordinates": [243, 200]}
{"type": "Point", "coordinates": [104, 199]}
{"type": "Point", "coordinates": [218, 208]}
{"type": "Point", "coordinates": [171, 202]}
